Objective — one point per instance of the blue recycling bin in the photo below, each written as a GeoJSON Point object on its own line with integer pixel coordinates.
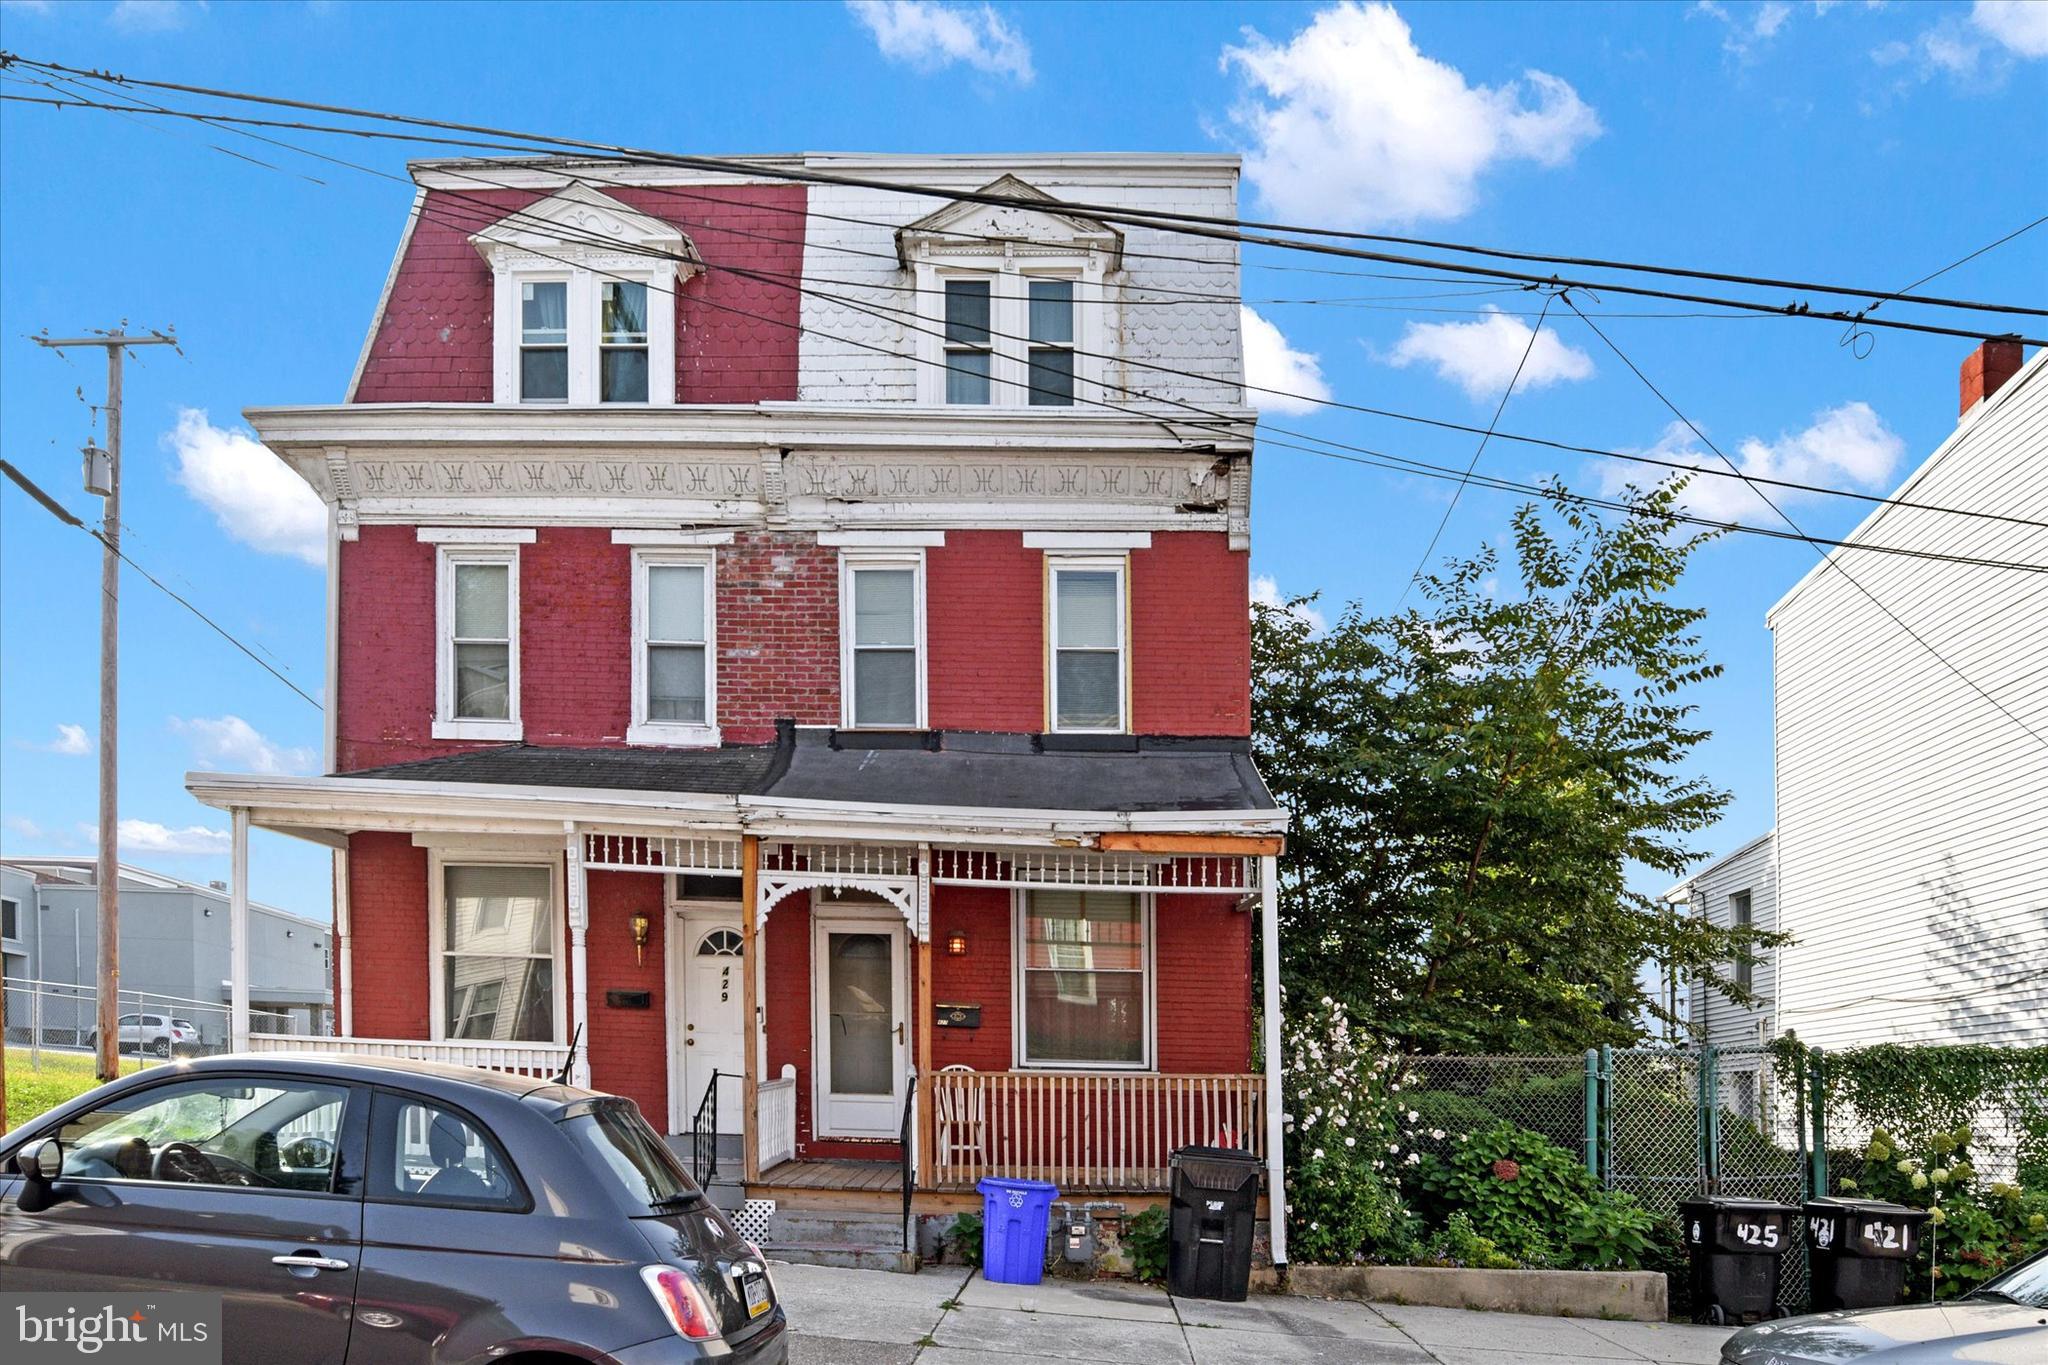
{"type": "Point", "coordinates": [1013, 1223]}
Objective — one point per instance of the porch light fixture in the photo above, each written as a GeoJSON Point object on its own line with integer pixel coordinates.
{"type": "Point", "coordinates": [641, 924]}
{"type": "Point", "coordinates": [956, 944]}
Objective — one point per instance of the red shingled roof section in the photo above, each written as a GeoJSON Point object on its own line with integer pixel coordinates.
{"type": "Point", "coordinates": [433, 344]}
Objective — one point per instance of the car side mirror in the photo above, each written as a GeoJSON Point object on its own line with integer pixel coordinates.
{"type": "Point", "coordinates": [41, 1162]}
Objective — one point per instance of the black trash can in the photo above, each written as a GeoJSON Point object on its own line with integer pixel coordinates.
{"type": "Point", "coordinates": [1859, 1250]}
{"type": "Point", "coordinates": [1215, 1195]}
{"type": "Point", "coordinates": [1733, 1246]}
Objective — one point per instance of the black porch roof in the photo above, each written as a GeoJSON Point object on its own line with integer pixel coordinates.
{"type": "Point", "coordinates": [959, 768]}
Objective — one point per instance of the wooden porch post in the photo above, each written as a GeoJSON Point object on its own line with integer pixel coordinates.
{"type": "Point", "coordinates": [1276, 1156]}
{"type": "Point", "coordinates": [927, 1126]}
{"type": "Point", "coordinates": [750, 1068]}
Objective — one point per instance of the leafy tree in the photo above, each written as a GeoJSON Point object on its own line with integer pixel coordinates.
{"type": "Point", "coordinates": [1471, 780]}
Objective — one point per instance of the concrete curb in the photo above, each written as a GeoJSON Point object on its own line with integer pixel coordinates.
{"type": "Point", "coordinates": [1629, 1295]}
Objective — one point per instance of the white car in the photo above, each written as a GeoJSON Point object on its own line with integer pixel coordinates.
{"type": "Point", "coordinates": [157, 1033]}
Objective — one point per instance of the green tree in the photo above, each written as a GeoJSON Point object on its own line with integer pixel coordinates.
{"type": "Point", "coordinates": [1471, 781]}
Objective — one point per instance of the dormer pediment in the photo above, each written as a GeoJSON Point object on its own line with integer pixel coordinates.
{"type": "Point", "coordinates": [967, 227]}
{"type": "Point", "coordinates": [583, 225]}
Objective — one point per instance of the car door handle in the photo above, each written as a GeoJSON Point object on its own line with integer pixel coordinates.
{"type": "Point", "coordinates": [308, 1260]}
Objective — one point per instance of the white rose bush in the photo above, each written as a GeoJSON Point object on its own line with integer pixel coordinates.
{"type": "Point", "coordinates": [1342, 1122]}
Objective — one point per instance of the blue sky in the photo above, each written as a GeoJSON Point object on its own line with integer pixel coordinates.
{"type": "Point", "coordinates": [1867, 144]}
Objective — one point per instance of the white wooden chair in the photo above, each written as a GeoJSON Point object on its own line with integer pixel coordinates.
{"type": "Point", "coordinates": [960, 1121]}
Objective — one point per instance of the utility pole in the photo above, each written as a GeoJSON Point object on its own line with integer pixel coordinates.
{"type": "Point", "coordinates": [103, 476]}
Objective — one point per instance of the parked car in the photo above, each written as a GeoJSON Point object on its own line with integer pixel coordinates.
{"type": "Point", "coordinates": [157, 1033]}
{"type": "Point", "coordinates": [2004, 1321]}
{"type": "Point", "coordinates": [385, 1213]}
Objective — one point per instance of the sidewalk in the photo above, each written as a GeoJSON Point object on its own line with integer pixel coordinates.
{"type": "Point", "coordinates": [947, 1316]}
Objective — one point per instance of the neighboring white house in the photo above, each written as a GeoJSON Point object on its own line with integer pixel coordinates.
{"type": "Point", "coordinates": [1910, 859]}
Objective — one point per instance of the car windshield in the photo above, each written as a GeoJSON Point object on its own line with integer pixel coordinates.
{"type": "Point", "coordinates": [632, 1156]}
{"type": "Point", "coordinates": [2026, 1283]}
{"type": "Point", "coordinates": [185, 1024]}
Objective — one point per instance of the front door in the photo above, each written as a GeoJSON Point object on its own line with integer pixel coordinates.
{"type": "Point", "coordinates": [713, 1037]}
{"type": "Point", "coordinates": [860, 1025]}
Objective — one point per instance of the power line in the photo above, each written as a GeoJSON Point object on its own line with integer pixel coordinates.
{"type": "Point", "coordinates": [1107, 214]}
{"type": "Point", "coordinates": [1827, 560]}
{"type": "Point", "coordinates": [1193, 224]}
{"type": "Point", "coordinates": [63, 514]}
{"type": "Point", "coordinates": [1459, 491]}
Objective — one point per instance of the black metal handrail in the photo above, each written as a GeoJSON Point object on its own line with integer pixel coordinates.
{"type": "Point", "coordinates": [704, 1137]}
{"type": "Point", "coordinates": [903, 1140]}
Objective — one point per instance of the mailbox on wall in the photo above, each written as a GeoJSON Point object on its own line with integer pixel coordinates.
{"type": "Point", "coordinates": [957, 1016]}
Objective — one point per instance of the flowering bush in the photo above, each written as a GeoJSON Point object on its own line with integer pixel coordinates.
{"type": "Point", "coordinates": [1535, 1203]}
{"type": "Point", "coordinates": [1342, 1140]}
{"type": "Point", "coordinates": [1974, 1230]}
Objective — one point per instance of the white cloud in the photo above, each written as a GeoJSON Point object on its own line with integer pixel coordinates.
{"type": "Point", "coordinates": [1266, 593]}
{"type": "Point", "coordinates": [1847, 446]}
{"type": "Point", "coordinates": [138, 837]}
{"type": "Point", "coordinates": [928, 36]}
{"type": "Point", "coordinates": [251, 493]}
{"type": "Point", "coordinates": [1271, 363]}
{"type": "Point", "coordinates": [1350, 123]}
{"type": "Point", "coordinates": [231, 744]}
{"type": "Point", "coordinates": [27, 829]}
{"type": "Point", "coordinates": [1749, 26]}
{"type": "Point", "coordinates": [153, 16]}
{"type": "Point", "coordinates": [1480, 357]}
{"type": "Point", "coordinates": [71, 739]}
{"type": "Point", "coordinates": [2020, 26]}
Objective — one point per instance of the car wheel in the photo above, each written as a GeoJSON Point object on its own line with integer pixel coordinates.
{"type": "Point", "coordinates": [92, 1041]}
{"type": "Point", "coordinates": [163, 1047]}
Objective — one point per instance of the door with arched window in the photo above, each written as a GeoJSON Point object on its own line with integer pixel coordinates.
{"type": "Point", "coordinates": [713, 1024]}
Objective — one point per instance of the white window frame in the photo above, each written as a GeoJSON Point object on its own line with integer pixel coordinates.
{"type": "Point", "coordinates": [447, 725]}
{"type": "Point", "coordinates": [852, 561]}
{"type": "Point", "coordinates": [643, 730]}
{"type": "Point", "coordinates": [1056, 564]}
{"type": "Point", "coordinates": [586, 303]}
{"type": "Point", "coordinates": [442, 857]}
{"type": "Point", "coordinates": [561, 277]}
{"type": "Point", "coordinates": [1020, 901]}
{"type": "Point", "coordinates": [1010, 325]}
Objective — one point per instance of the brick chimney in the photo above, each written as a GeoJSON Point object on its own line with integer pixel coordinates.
{"type": "Point", "coordinates": [1987, 369]}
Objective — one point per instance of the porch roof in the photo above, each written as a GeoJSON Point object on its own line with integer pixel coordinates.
{"type": "Point", "coordinates": [978, 770]}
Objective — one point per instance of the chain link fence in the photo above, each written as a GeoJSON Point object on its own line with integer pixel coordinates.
{"type": "Point", "coordinates": [60, 1017]}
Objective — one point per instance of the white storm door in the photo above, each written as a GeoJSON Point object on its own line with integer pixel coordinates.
{"type": "Point", "coordinates": [714, 1037]}
{"type": "Point", "coordinates": [860, 1026]}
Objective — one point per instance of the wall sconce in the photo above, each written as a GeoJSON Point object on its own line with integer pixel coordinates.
{"type": "Point", "coordinates": [956, 944]}
{"type": "Point", "coordinates": [641, 924]}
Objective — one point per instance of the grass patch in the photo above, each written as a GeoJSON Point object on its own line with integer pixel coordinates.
{"type": "Point", "coordinates": [35, 1091]}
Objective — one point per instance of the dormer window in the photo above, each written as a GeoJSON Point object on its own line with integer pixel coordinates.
{"type": "Point", "coordinates": [1012, 302]}
{"type": "Point", "coordinates": [580, 320]}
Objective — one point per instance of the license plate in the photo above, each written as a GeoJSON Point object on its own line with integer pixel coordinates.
{"type": "Point", "coordinates": [755, 1287]}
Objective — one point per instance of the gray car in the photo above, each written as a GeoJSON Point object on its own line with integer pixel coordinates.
{"type": "Point", "coordinates": [2003, 1322]}
{"type": "Point", "coordinates": [385, 1213]}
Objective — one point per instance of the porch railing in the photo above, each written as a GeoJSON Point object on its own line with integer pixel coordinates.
{"type": "Point", "coordinates": [1085, 1130]}
{"type": "Point", "coordinates": [776, 1132]}
{"type": "Point", "coordinates": [525, 1059]}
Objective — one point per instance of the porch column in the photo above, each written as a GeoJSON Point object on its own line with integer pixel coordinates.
{"type": "Point", "coordinates": [238, 931]}
{"type": "Point", "coordinates": [344, 951]}
{"type": "Point", "coordinates": [927, 1129]}
{"type": "Point", "coordinates": [1276, 1156]}
{"type": "Point", "coordinates": [750, 1063]}
{"type": "Point", "coordinates": [579, 923]}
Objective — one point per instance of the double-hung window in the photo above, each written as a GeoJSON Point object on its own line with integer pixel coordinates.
{"type": "Point", "coordinates": [882, 632]}
{"type": "Point", "coordinates": [1088, 637]}
{"type": "Point", "coordinates": [1085, 992]}
{"type": "Point", "coordinates": [1051, 336]}
{"type": "Point", "coordinates": [622, 342]}
{"type": "Point", "coordinates": [497, 949]}
{"type": "Point", "coordinates": [674, 663]}
{"type": "Point", "coordinates": [544, 341]}
{"type": "Point", "coordinates": [477, 672]}
{"type": "Point", "coordinates": [969, 349]}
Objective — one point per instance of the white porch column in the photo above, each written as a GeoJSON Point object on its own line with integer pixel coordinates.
{"type": "Point", "coordinates": [238, 931]}
{"type": "Point", "coordinates": [579, 922]}
{"type": "Point", "coordinates": [344, 951]}
{"type": "Point", "coordinates": [1276, 1154]}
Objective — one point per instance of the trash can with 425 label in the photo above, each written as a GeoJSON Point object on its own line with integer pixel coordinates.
{"type": "Point", "coordinates": [1215, 1200]}
{"type": "Point", "coordinates": [1859, 1250]}
{"type": "Point", "coordinates": [1733, 1246]}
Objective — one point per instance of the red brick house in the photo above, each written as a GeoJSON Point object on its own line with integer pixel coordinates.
{"type": "Point", "coordinates": [793, 639]}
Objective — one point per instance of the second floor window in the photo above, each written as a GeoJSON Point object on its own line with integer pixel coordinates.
{"type": "Point", "coordinates": [883, 632]}
{"type": "Point", "coordinates": [622, 342]}
{"type": "Point", "coordinates": [1742, 916]}
{"type": "Point", "coordinates": [477, 622]}
{"type": "Point", "coordinates": [1087, 638]}
{"type": "Point", "coordinates": [674, 672]}
{"type": "Point", "coordinates": [544, 341]}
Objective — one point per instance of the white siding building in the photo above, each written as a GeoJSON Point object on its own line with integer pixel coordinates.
{"type": "Point", "coordinates": [1911, 850]}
